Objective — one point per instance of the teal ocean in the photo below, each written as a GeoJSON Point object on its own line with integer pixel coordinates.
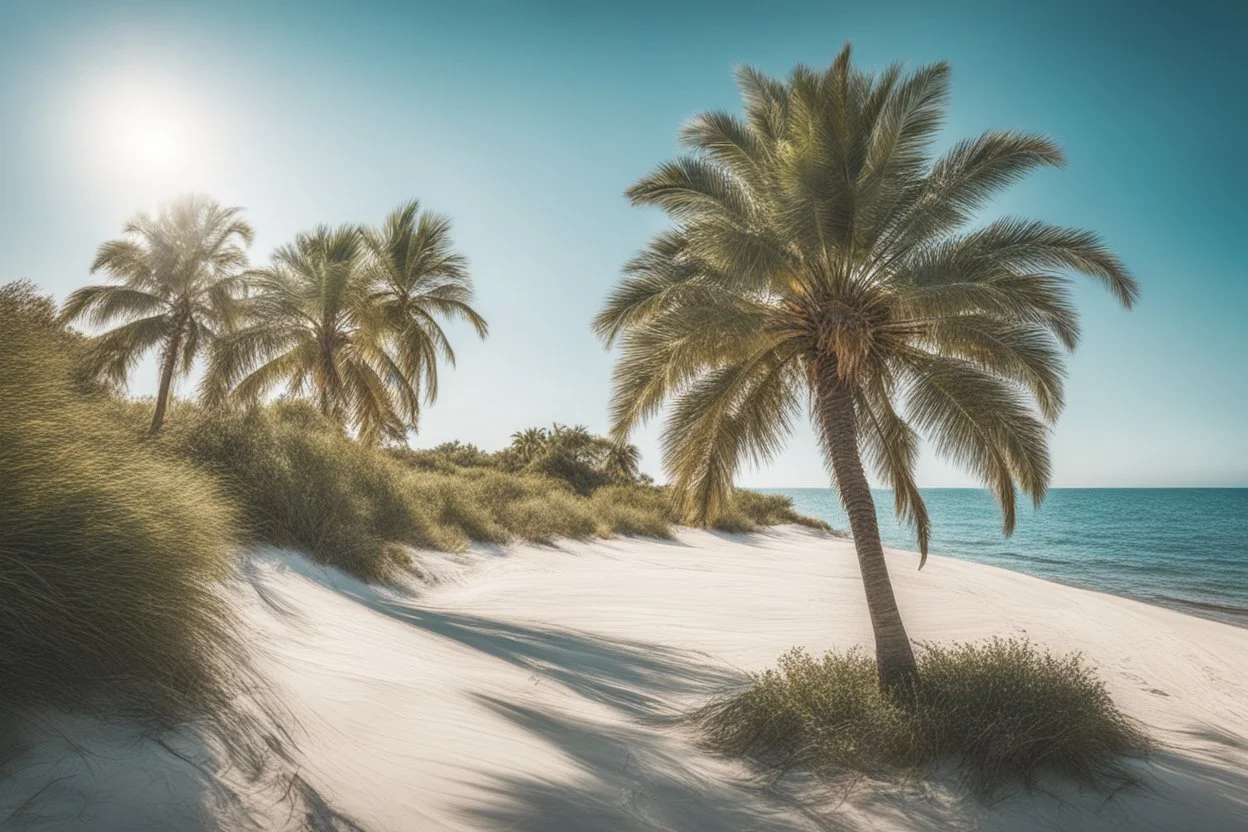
{"type": "Point", "coordinates": [1185, 548]}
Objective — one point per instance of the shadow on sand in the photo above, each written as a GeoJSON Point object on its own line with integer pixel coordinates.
{"type": "Point", "coordinates": [633, 776]}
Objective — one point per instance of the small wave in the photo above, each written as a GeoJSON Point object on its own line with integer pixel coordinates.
{"type": "Point", "coordinates": [1233, 610]}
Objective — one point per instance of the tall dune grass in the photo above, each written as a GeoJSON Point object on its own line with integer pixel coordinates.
{"type": "Point", "coordinates": [299, 481]}
{"type": "Point", "coordinates": [110, 556]}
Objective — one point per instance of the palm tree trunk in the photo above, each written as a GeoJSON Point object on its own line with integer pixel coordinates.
{"type": "Point", "coordinates": [168, 364]}
{"type": "Point", "coordinates": [893, 654]}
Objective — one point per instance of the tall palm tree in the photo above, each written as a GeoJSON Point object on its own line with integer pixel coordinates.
{"type": "Point", "coordinates": [311, 327]}
{"type": "Point", "coordinates": [817, 252]}
{"type": "Point", "coordinates": [177, 288]}
{"type": "Point", "coordinates": [419, 277]}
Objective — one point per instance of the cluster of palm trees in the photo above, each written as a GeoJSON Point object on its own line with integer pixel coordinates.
{"type": "Point", "coordinates": [616, 461]}
{"type": "Point", "coordinates": [348, 317]}
{"type": "Point", "coordinates": [818, 254]}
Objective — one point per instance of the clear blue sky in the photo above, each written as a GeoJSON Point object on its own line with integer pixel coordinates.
{"type": "Point", "coordinates": [525, 122]}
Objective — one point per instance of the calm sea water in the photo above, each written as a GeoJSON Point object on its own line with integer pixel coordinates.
{"type": "Point", "coordinates": [1185, 548]}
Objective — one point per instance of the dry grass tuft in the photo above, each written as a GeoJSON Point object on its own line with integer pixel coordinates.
{"type": "Point", "coordinates": [1004, 710]}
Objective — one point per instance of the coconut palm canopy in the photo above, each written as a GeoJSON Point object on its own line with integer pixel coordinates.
{"type": "Point", "coordinates": [177, 282]}
{"type": "Point", "coordinates": [349, 317]}
{"type": "Point", "coordinates": [819, 256]}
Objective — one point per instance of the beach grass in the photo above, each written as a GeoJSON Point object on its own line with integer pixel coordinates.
{"type": "Point", "coordinates": [111, 557]}
{"type": "Point", "coordinates": [297, 480]}
{"type": "Point", "coordinates": [1004, 711]}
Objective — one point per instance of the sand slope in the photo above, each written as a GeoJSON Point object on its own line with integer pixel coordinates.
{"type": "Point", "coordinates": [531, 689]}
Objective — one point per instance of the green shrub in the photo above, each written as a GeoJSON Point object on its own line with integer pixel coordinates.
{"type": "Point", "coordinates": [1004, 710]}
{"type": "Point", "coordinates": [111, 557]}
{"type": "Point", "coordinates": [458, 508]}
{"type": "Point", "coordinates": [300, 481]}
{"type": "Point", "coordinates": [562, 464]}
{"type": "Point", "coordinates": [534, 508]}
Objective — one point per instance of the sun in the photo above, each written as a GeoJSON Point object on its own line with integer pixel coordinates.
{"type": "Point", "coordinates": [145, 128]}
{"type": "Point", "coordinates": [153, 141]}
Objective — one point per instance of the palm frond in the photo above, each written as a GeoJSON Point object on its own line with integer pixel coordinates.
{"type": "Point", "coordinates": [980, 422]}
{"type": "Point", "coordinates": [743, 411]}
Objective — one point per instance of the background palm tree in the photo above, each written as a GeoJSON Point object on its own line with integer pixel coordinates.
{"type": "Point", "coordinates": [349, 318]}
{"type": "Point", "coordinates": [177, 287]}
{"type": "Point", "coordinates": [530, 443]}
{"type": "Point", "coordinates": [621, 460]}
{"type": "Point", "coordinates": [419, 277]}
{"type": "Point", "coordinates": [818, 255]}
{"type": "Point", "coordinates": [310, 326]}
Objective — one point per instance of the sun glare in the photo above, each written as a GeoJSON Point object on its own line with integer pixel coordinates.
{"type": "Point", "coordinates": [144, 128]}
{"type": "Point", "coordinates": [152, 140]}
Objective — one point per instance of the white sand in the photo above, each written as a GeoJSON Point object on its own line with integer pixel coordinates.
{"type": "Point", "coordinates": [526, 691]}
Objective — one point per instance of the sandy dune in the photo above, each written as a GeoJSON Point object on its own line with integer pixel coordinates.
{"type": "Point", "coordinates": [531, 689]}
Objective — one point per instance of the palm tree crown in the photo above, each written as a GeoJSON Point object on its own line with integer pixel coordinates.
{"type": "Point", "coordinates": [418, 277]}
{"type": "Point", "coordinates": [349, 317]}
{"type": "Point", "coordinates": [177, 287]}
{"type": "Point", "coordinates": [819, 255]}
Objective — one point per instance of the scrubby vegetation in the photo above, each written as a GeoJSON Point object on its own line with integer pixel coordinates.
{"type": "Point", "coordinates": [1004, 710]}
{"type": "Point", "coordinates": [116, 542]}
{"type": "Point", "coordinates": [111, 556]}
{"type": "Point", "coordinates": [298, 480]}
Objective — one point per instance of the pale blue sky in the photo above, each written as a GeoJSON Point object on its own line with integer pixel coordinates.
{"type": "Point", "coordinates": [526, 123]}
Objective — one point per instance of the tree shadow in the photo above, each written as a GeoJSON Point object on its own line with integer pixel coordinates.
{"type": "Point", "coordinates": [639, 678]}
{"type": "Point", "coordinates": [627, 782]}
{"type": "Point", "coordinates": [317, 814]}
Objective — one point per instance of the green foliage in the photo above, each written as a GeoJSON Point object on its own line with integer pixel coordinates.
{"type": "Point", "coordinates": [573, 454]}
{"type": "Point", "coordinates": [111, 556]}
{"type": "Point", "coordinates": [819, 252]}
{"type": "Point", "coordinates": [749, 510]}
{"type": "Point", "coordinates": [640, 510]}
{"type": "Point", "coordinates": [1004, 710]}
{"type": "Point", "coordinates": [298, 480]}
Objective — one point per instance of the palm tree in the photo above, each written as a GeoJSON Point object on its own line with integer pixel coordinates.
{"type": "Point", "coordinates": [177, 286]}
{"type": "Point", "coordinates": [311, 327]}
{"type": "Point", "coordinates": [620, 460]}
{"type": "Point", "coordinates": [349, 317]}
{"type": "Point", "coordinates": [530, 443]}
{"type": "Point", "coordinates": [418, 277]}
{"type": "Point", "coordinates": [817, 252]}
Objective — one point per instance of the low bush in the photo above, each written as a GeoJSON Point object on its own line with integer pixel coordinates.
{"type": "Point", "coordinates": [300, 481]}
{"type": "Point", "coordinates": [637, 510]}
{"type": "Point", "coordinates": [110, 557]}
{"type": "Point", "coordinates": [1004, 710]}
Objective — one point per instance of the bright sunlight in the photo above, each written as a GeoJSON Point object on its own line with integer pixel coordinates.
{"type": "Point", "coordinates": [144, 127]}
